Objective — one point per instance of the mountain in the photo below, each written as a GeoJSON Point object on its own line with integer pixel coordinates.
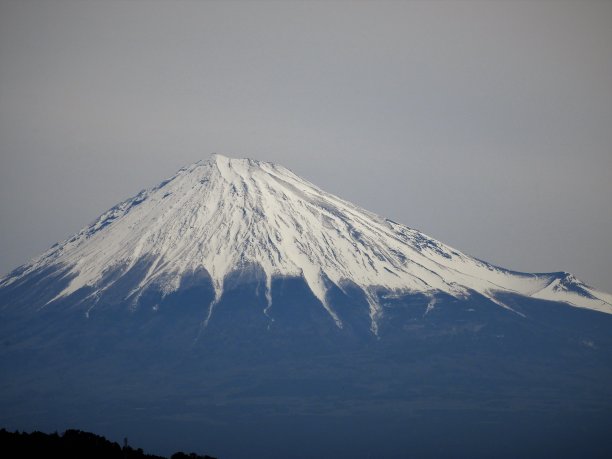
{"type": "Point", "coordinates": [223, 215]}
{"type": "Point", "coordinates": [236, 298]}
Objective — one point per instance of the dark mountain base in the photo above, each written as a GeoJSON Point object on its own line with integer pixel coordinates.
{"type": "Point", "coordinates": [329, 407]}
{"type": "Point", "coordinates": [464, 379]}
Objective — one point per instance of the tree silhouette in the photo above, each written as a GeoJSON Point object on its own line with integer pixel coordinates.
{"type": "Point", "coordinates": [73, 444]}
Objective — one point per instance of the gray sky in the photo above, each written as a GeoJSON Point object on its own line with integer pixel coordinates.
{"type": "Point", "coordinates": [486, 124]}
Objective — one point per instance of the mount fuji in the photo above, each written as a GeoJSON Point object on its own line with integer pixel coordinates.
{"type": "Point", "coordinates": [236, 299]}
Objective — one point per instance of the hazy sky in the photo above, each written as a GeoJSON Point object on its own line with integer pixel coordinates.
{"type": "Point", "coordinates": [486, 124]}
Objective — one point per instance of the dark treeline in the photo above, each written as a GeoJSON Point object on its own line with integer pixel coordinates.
{"type": "Point", "coordinates": [72, 444]}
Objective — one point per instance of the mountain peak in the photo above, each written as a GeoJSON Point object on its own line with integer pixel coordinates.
{"type": "Point", "coordinates": [225, 214]}
{"type": "Point", "coordinates": [228, 161]}
{"type": "Point", "coordinates": [224, 160]}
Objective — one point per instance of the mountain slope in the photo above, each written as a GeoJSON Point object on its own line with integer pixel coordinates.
{"type": "Point", "coordinates": [226, 214]}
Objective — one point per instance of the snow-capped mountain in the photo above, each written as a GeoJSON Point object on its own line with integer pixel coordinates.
{"type": "Point", "coordinates": [236, 304]}
{"type": "Point", "coordinates": [224, 214]}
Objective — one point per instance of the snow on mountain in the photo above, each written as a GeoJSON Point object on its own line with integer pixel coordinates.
{"type": "Point", "coordinates": [224, 214]}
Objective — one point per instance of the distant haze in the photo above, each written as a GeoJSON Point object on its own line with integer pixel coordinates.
{"type": "Point", "coordinates": [487, 125]}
